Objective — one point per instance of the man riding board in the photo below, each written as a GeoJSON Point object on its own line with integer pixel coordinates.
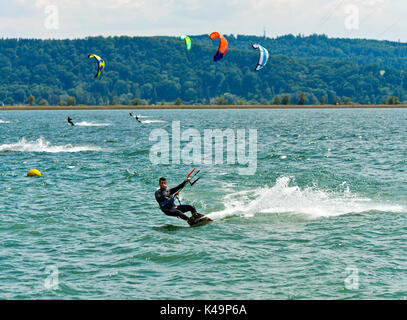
{"type": "Point", "coordinates": [166, 199]}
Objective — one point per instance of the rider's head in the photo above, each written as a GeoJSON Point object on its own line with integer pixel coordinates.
{"type": "Point", "coordinates": [163, 183]}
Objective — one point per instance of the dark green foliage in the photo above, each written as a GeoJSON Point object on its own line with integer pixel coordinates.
{"type": "Point", "coordinates": [286, 99]}
{"type": "Point", "coordinates": [70, 101]}
{"type": "Point", "coordinates": [135, 101]}
{"type": "Point", "coordinates": [393, 100]}
{"type": "Point", "coordinates": [31, 100]}
{"type": "Point", "coordinates": [302, 98]}
{"type": "Point", "coordinates": [141, 70]}
{"type": "Point", "coordinates": [347, 101]}
{"type": "Point", "coordinates": [43, 102]}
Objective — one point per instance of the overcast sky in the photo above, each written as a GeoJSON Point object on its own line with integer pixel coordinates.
{"type": "Point", "coordinates": [373, 19]}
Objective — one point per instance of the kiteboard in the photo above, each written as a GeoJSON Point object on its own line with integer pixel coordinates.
{"type": "Point", "coordinates": [200, 220]}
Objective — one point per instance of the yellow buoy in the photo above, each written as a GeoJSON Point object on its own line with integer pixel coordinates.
{"type": "Point", "coordinates": [33, 173]}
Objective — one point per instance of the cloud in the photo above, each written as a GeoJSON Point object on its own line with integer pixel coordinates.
{"type": "Point", "coordinates": [81, 18]}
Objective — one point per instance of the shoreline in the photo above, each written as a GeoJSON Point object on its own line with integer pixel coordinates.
{"type": "Point", "coordinates": [181, 107]}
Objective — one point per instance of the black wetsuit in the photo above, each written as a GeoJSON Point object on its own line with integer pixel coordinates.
{"type": "Point", "coordinates": [167, 205]}
{"type": "Point", "coordinates": [131, 115]}
{"type": "Point", "coordinates": [70, 121]}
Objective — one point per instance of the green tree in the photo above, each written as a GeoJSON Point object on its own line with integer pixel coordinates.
{"type": "Point", "coordinates": [322, 100]}
{"type": "Point", "coordinates": [135, 101]}
{"type": "Point", "coordinates": [276, 100]}
{"type": "Point", "coordinates": [347, 101]}
{"type": "Point", "coordinates": [43, 102]}
{"type": "Point", "coordinates": [302, 98]}
{"type": "Point", "coordinates": [286, 99]}
{"type": "Point", "coordinates": [70, 101]}
{"type": "Point", "coordinates": [178, 102]}
{"type": "Point", "coordinates": [394, 100]}
{"type": "Point", "coordinates": [31, 100]}
{"type": "Point", "coordinates": [221, 100]}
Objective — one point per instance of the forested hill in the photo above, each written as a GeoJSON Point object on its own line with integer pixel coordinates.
{"type": "Point", "coordinates": [154, 70]}
{"type": "Point", "coordinates": [361, 51]}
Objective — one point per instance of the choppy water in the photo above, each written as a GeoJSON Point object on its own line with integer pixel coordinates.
{"type": "Point", "coordinates": [324, 217]}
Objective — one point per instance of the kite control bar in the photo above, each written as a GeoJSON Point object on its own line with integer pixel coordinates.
{"type": "Point", "coordinates": [191, 172]}
{"type": "Point", "coordinates": [190, 182]}
{"type": "Point", "coordinates": [193, 182]}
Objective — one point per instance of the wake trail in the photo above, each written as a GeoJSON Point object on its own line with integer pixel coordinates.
{"type": "Point", "coordinates": [42, 145]}
{"type": "Point", "coordinates": [91, 124]}
{"type": "Point", "coordinates": [152, 121]}
{"type": "Point", "coordinates": [283, 198]}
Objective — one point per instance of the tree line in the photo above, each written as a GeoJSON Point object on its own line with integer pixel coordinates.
{"type": "Point", "coordinates": [159, 70]}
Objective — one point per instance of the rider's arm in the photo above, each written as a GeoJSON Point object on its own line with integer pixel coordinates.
{"type": "Point", "coordinates": [173, 190]}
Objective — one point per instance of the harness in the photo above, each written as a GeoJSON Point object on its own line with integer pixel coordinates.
{"type": "Point", "coordinates": [165, 202]}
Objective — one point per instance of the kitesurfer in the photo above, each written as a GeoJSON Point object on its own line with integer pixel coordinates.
{"type": "Point", "coordinates": [70, 121]}
{"type": "Point", "coordinates": [136, 116]}
{"type": "Point", "coordinates": [166, 198]}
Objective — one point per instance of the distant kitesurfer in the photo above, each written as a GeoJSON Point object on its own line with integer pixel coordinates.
{"type": "Point", "coordinates": [70, 121]}
{"type": "Point", "coordinates": [136, 116]}
{"type": "Point", "coordinates": [166, 198]}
